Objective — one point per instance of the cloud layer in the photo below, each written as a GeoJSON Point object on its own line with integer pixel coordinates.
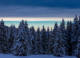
{"type": "Point", "coordinates": [39, 8]}
{"type": "Point", "coordinates": [16, 11]}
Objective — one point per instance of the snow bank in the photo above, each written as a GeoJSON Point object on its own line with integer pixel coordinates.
{"type": "Point", "coordinates": [33, 56]}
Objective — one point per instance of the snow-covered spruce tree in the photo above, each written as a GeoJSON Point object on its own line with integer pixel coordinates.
{"type": "Point", "coordinates": [44, 41]}
{"type": "Point", "coordinates": [77, 49]}
{"type": "Point", "coordinates": [38, 42]}
{"type": "Point", "coordinates": [49, 41]}
{"type": "Point", "coordinates": [63, 38]}
{"type": "Point", "coordinates": [28, 37]}
{"type": "Point", "coordinates": [3, 38]}
{"type": "Point", "coordinates": [53, 34]}
{"type": "Point", "coordinates": [11, 35]}
{"type": "Point", "coordinates": [56, 39]}
{"type": "Point", "coordinates": [59, 42]}
{"type": "Point", "coordinates": [7, 37]}
{"type": "Point", "coordinates": [78, 41]}
{"type": "Point", "coordinates": [22, 43]}
{"type": "Point", "coordinates": [69, 38]}
{"type": "Point", "coordinates": [74, 34]}
{"type": "Point", "coordinates": [33, 37]}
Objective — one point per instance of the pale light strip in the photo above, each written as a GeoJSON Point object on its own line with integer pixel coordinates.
{"type": "Point", "coordinates": [36, 18]}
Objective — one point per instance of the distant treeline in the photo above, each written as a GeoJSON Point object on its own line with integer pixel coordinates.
{"type": "Point", "coordinates": [22, 41]}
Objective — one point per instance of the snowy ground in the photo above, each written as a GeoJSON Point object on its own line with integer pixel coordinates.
{"type": "Point", "coordinates": [33, 56]}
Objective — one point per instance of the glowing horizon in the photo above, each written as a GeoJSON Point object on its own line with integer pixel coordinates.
{"type": "Point", "coordinates": [36, 18]}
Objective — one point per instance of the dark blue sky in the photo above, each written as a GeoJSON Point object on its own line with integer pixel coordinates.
{"type": "Point", "coordinates": [39, 8]}
{"type": "Point", "coordinates": [43, 3]}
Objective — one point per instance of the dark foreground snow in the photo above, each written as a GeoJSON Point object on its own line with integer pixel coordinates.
{"type": "Point", "coordinates": [33, 56]}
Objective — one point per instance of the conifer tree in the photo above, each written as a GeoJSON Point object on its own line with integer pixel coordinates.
{"type": "Point", "coordinates": [3, 39]}
{"type": "Point", "coordinates": [74, 34]}
{"type": "Point", "coordinates": [59, 42]}
{"type": "Point", "coordinates": [49, 41]}
{"type": "Point", "coordinates": [38, 42]}
{"type": "Point", "coordinates": [33, 37]}
{"type": "Point", "coordinates": [22, 46]}
{"type": "Point", "coordinates": [44, 41]}
{"type": "Point", "coordinates": [63, 38]}
{"type": "Point", "coordinates": [12, 34]}
{"type": "Point", "coordinates": [53, 37]}
{"type": "Point", "coordinates": [69, 38]}
{"type": "Point", "coordinates": [77, 49]}
{"type": "Point", "coordinates": [56, 45]}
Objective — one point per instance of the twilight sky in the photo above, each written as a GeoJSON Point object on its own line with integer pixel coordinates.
{"type": "Point", "coordinates": [39, 8]}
